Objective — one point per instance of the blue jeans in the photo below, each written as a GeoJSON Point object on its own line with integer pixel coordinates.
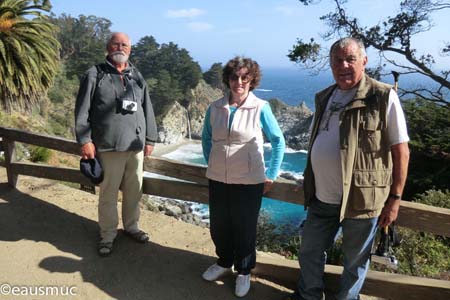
{"type": "Point", "coordinates": [319, 233]}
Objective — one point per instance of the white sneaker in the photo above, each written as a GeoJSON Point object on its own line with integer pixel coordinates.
{"type": "Point", "coordinates": [214, 272]}
{"type": "Point", "coordinates": [242, 285]}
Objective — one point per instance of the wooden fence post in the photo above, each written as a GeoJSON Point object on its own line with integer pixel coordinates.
{"type": "Point", "coordinates": [9, 148]}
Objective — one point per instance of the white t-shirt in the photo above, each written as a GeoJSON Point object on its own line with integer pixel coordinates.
{"type": "Point", "coordinates": [325, 152]}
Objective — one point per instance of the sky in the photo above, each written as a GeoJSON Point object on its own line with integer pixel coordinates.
{"type": "Point", "coordinates": [217, 30]}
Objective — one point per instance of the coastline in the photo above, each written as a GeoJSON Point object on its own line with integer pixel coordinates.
{"type": "Point", "coordinates": [162, 149]}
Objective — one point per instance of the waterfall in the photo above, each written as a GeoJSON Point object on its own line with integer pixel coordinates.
{"type": "Point", "coordinates": [188, 125]}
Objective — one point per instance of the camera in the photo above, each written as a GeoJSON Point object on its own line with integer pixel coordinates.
{"type": "Point", "coordinates": [129, 105]}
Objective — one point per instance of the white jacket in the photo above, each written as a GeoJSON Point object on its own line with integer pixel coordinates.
{"type": "Point", "coordinates": [237, 155]}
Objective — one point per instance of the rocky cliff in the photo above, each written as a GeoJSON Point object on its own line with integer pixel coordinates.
{"type": "Point", "coordinates": [202, 96]}
{"type": "Point", "coordinates": [174, 125]}
{"type": "Point", "coordinates": [294, 121]}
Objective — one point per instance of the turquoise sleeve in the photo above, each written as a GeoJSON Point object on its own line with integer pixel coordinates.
{"type": "Point", "coordinates": [206, 136]}
{"type": "Point", "coordinates": [275, 136]}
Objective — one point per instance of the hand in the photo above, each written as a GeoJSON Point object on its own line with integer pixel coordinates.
{"type": "Point", "coordinates": [267, 185]}
{"type": "Point", "coordinates": [148, 149]}
{"type": "Point", "coordinates": [88, 151]}
{"type": "Point", "coordinates": [389, 213]}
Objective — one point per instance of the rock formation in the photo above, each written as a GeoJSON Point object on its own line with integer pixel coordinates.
{"type": "Point", "coordinates": [294, 121]}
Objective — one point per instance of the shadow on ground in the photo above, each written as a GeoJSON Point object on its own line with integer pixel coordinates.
{"type": "Point", "coordinates": [133, 272]}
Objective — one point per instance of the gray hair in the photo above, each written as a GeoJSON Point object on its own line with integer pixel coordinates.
{"type": "Point", "coordinates": [116, 33]}
{"type": "Point", "coordinates": [344, 42]}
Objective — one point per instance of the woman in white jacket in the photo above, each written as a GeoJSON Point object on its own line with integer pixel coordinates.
{"type": "Point", "coordinates": [232, 141]}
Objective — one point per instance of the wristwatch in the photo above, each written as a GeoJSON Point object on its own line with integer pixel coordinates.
{"type": "Point", "coordinates": [395, 196]}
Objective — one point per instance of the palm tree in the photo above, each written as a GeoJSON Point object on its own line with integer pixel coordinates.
{"type": "Point", "coordinates": [28, 53]}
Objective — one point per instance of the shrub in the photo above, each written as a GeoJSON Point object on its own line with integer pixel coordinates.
{"type": "Point", "coordinates": [283, 239]}
{"type": "Point", "coordinates": [40, 154]}
{"type": "Point", "coordinates": [424, 254]}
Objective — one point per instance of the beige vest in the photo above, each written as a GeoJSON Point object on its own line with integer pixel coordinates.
{"type": "Point", "coordinates": [237, 155]}
{"type": "Point", "coordinates": [365, 153]}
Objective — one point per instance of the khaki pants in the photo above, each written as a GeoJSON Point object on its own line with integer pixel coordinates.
{"type": "Point", "coordinates": [122, 170]}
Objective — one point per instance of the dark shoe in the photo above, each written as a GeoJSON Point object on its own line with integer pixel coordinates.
{"type": "Point", "coordinates": [139, 236]}
{"type": "Point", "coordinates": [104, 248]}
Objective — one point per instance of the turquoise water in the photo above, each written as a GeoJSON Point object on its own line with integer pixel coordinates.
{"type": "Point", "coordinates": [279, 212]}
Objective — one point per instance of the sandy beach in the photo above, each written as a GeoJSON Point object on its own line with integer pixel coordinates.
{"type": "Point", "coordinates": [162, 149]}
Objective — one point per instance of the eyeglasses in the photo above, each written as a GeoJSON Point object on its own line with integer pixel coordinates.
{"type": "Point", "coordinates": [244, 78]}
{"type": "Point", "coordinates": [351, 60]}
{"type": "Point", "coordinates": [118, 44]}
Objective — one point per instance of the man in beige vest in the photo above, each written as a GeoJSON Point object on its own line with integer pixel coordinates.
{"type": "Point", "coordinates": [356, 170]}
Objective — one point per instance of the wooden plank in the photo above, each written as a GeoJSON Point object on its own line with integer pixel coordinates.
{"type": "Point", "coordinates": [42, 140]}
{"type": "Point", "coordinates": [10, 157]}
{"type": "Point", "coordinates": [423, 217]}
{"type": "Point", "coordinates": [282, 189]}
{"type": "Point", "coordinates": [379, 284]}
{"type": "Point", "coordinates": [176, 169]}
{"type": "Point", "coordinates": [50, 172]}
{"type": "Point", "coordinates": [176, 189]}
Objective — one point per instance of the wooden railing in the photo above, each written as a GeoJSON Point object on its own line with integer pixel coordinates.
{"type": "Point", "coordinates": [190, 184]}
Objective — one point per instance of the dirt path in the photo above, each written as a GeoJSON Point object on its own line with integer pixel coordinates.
{"type": "Point", "coordinates": [48, 235]}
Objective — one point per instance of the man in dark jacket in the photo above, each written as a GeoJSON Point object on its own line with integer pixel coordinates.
{"type": "Point", "coordinates": [114, 121]}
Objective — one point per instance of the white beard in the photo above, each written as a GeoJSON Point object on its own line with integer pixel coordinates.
{"type": "Point", "coordinates": [119, 57]}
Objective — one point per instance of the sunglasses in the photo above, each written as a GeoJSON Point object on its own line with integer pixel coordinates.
{"type": "Point", "coordinates": [244, 78]}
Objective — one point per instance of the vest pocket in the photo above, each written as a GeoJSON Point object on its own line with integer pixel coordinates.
{"type": "Point", "coordinates": [370, 135]}
{"type": "Point", "coordinates": [370, 188]}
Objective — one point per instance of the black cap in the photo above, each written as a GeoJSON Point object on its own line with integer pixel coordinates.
{"type": "Point", "coordinates": [92, 169]}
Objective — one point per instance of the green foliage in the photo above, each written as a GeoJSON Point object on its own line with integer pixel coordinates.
{"type": "Point", "coordinates": [165, 92]}
{"type": "Point", "coordinates": [435, 198]}
{"type": "Point", "coordinates": [83, 42]}
{"type": "Point", "coordinates": [169, 70]}
{"type": "Point", "coordinates": [144, 55]}
{"type": "Point", "coordinates": [423, 254]}
{"type": "Point", "coordinates": [213, 76]}
{"type": "Point", "coordinates": [64, 89]}
{"type": "Point", "coordinates": [151, 58]}
{"type": "Point", "coordinates": [429, 131]}
{"type": "Point", "coordinates": [303, 52]}
{"type": "Point", "coordinates": [62, 95]}
{"type": "Point", "coordinates": [284, 239]}
{"type": "Point", "coordinates": [28, 53]}
{"type": "Point", "coordinates": [40, 154]}
{"type": "Point", "coordinates": [429, 126]}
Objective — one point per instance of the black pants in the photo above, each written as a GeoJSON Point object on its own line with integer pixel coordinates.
{"type": "Point", "coordinates": [233, 212]}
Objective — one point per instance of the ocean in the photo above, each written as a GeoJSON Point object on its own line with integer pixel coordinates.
{"type": "Point", "coordinates": [291, 86]}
